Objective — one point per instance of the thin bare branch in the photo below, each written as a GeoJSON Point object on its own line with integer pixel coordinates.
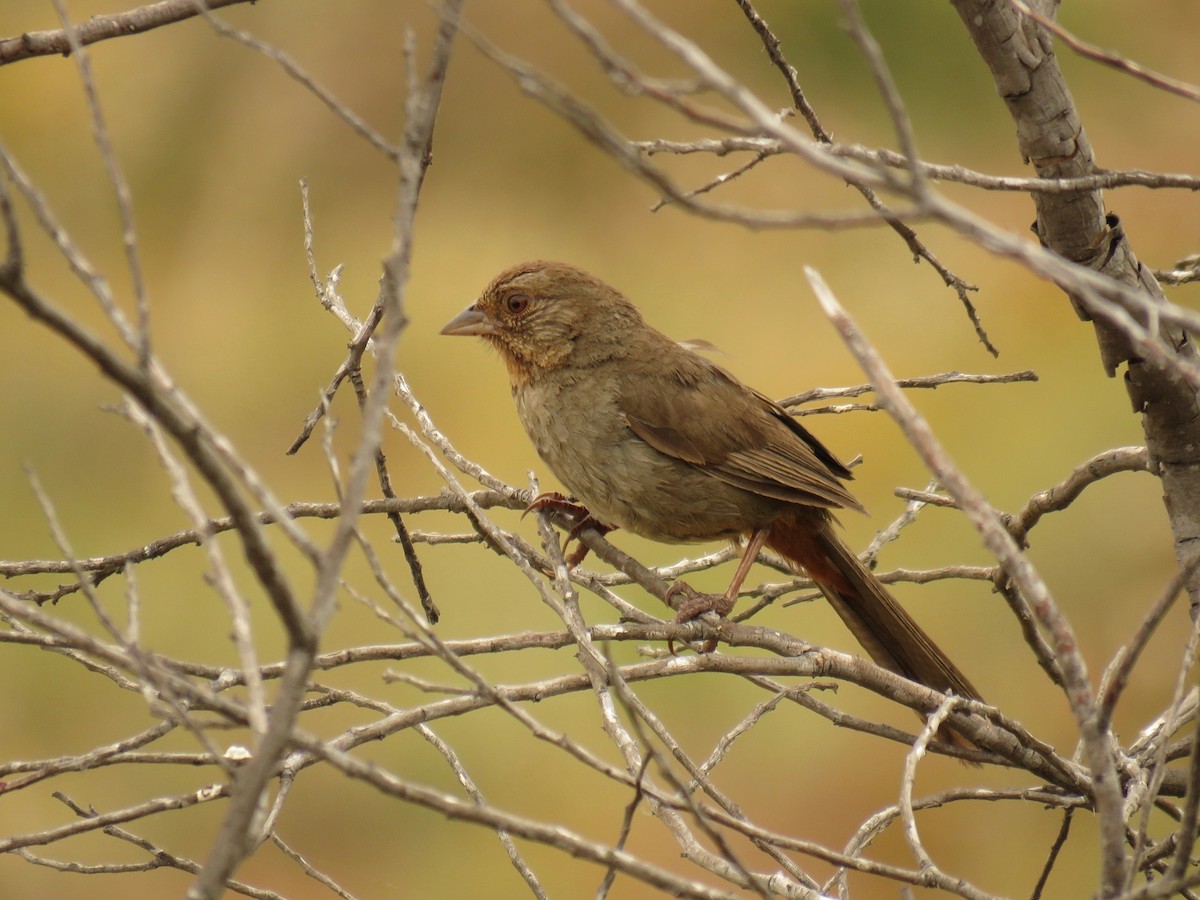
{"type": "Point", "coordinates": [1097, 750]}
{"type": "Point", "coordinates": [952, 174]}
{"type": "Point", "coordinates": [102, 28]}
{"type": "Point", "coordinates": [1109, 57]}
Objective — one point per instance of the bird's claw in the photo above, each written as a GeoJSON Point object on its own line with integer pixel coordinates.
{"type": "Point", "coordinates": [693, 605]}
{"type": "Point", "coordinates": [555, 501]}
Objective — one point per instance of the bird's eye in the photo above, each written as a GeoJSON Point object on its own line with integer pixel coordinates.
{"type": "Point", "coordinates": [516, 303]}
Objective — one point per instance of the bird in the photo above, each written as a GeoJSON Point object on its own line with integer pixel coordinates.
{"type": "Point", "coordinates": [654, 438]}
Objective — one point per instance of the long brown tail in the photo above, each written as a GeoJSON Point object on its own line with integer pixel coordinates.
{"type": "Point", "coordinates": [889, 634]}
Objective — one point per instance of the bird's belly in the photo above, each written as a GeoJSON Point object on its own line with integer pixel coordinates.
{"type": "Point", "coordinates": [624, 481]}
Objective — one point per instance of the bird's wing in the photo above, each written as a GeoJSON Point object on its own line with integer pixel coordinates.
{"type": "Point", "coordinates": [699, 413]}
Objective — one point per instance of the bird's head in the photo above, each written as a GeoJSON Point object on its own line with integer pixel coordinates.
{"type": "Point", "coordinates": [534, 314]}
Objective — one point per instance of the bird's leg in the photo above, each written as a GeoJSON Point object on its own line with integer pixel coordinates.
{"type": "Point", "coordinates": [583, 519]}
{"type": "Point", "coordinates": [696, 604]}
{"type": "Point", "coordinates": [757, 538]}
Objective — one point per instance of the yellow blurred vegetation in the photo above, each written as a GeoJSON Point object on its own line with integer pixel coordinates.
{"type": "Point", "coordinates": [214, 139]}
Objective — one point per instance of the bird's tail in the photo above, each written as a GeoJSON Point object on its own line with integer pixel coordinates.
{"type": "Point", "coordinates": [880, 624]}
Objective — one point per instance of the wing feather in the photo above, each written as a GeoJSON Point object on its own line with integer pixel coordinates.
{"type": "Point", "coordinates": [753, 444]}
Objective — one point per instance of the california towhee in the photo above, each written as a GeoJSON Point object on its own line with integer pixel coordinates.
{"type": "Point", "coordinates": [654, 438]}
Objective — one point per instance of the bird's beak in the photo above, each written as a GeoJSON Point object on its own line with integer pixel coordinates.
{"type": "Point", "coordinates": [471, 320]}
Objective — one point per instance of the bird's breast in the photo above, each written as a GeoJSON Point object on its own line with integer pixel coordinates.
{"type": "Point", "coordinates": [578, 429]}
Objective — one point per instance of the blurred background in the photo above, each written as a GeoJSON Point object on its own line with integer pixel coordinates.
{"type": "Point", "coordinates": [214, 139]}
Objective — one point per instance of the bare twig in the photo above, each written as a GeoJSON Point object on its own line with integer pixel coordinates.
{"type": "Point", "coordinates": [1059, 497]}
{"type": "Point", "coordinates": [1110, 58]}
{"type": "Point", "coordinates": [907, 816]}
{"type": "Point", "coordinates": [921, 381]}
{"type": "Point", "coordinates": [101, 28]}
{"type": "Point", "coordinates": [296, 72]}
{"type": "Point", "coordinates": [919, 250]}
{"type": "Point", "coordinates": [1101, 180]}
{"type": "Point", "coordinates": [236, 837]}
{"type": "Point", "coordinates": [1060, 841]}
{"type": "Point", "coordinates": [1097, 750]}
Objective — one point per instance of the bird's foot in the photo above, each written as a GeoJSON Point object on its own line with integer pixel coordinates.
{"type": "Point", "coordinates": [695, 604]}
{"type": "Point", "coordinates": [554, 501]}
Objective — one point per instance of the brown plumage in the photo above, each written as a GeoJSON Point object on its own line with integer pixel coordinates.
{"type": "Point", "coordinates": [654, 438]}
